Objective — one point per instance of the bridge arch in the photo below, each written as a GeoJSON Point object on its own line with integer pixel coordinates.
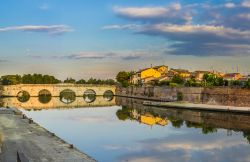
{"type": "Point", "coordinates": [44, 96]}
{"type": "Point", "coordinates": [44, 92]}
{"type": "Point", "coordinates": [89, 96]}
{"type": "Point", "coordinates": [67, 96]}
{"type": "Point", "coordinates": [23, 96]}
{"type": "Point", "coordinates": [89, 92]}
{"type": "Point", "coordinates": [108, 95]}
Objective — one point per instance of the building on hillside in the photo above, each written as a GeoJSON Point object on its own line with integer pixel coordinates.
{"type": "Point", "coordinates": [198, 75]}
{"type": "Point", "coordinates": [219, 74]}
{"type": "Point", "coordinates": [181, 72]}
{"type": "Point", "coordinates": [232, 76]}
{"type": "Point", "coordinates": [148, 74]}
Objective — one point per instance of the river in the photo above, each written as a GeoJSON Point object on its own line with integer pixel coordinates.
{"type": "Point", "coordinates": [122, 129]}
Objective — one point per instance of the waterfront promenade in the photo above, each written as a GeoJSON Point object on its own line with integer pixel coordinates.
{"type": "Point", "coordinates": [195, 106]}
{"type": "Point", "coordinates": [23, 140]}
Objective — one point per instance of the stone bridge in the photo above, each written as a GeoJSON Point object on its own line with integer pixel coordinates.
{"type": "Point", "coordinates": [55, 89]}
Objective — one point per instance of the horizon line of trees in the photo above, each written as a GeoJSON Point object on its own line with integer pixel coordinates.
{"type": "Point", "coordinates": [48, 79]}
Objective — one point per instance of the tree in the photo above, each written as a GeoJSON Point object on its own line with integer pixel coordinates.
{"type": "Point", "coordinates": [39, 79]}
{"type": "Point", "coordinates": [70, 80]}
{"type": "Point", "coordinates": [212, 80]}
{"type": "Point", "coordinates": [177, 79]}
{"type": "Point", "coordinates": [92, 81]}
{"type": "Point", "coordinates": [11, 79]}
{"type": "Point", "coordinates": [164, 83]}
{"type": "Point", "coordinates": [248, 84]}
{"type": "Point", "coordinates": [81, 81]}
{"type": "Point", "coordinates": [123, 78]}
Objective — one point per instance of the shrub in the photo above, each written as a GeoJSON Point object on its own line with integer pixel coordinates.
{"type": "Point", "coordinates": [179, 96]}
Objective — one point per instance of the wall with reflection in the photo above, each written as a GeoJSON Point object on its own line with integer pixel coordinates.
{"type": "Point", "coordinates": [207, 121]}
{"type": "Point", "coordinates": [48, 102]}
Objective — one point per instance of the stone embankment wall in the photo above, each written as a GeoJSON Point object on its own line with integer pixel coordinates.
{"type": "Point", "coordinates": [214, 96]}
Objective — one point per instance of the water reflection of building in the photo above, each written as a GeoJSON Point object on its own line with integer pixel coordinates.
{"type": "Point", "coordinates": [207, 121]}
{"type": "Point", "coordinates": [151, 120]}
{"type": "Point", "coordinates": [145, 118]}
{"type": "Point", "coordinates": [57, 102]}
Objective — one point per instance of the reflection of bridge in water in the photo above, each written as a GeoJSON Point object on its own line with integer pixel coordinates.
{"type": "Point", "coordinates": [55, 102]}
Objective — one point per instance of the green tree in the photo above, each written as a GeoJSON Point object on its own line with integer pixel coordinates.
{"type": "Point", "coordinates": [92, 81]}
{"type": "Point", "coordinates": [123, 78]}
{"type": "Point", "coordinates": [81, 81]}
{"type": "Point", "coordinates": [70, 80]}
{"type": "Point", "coordinates": [164, 83]}
{"type": "Point", "coordinates": [212, 80]}
{"type": "Point", "coordinates": [177, 79]}
{"type": "Point", "coordinates": [11, 79]}
{"type": "Point", "coordinates": [248, 84]}
{"type": "Point", "coordinates": [109, 82]}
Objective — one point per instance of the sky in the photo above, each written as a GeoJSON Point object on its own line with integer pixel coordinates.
{"type": "Point", "coordinates": [98, 38]}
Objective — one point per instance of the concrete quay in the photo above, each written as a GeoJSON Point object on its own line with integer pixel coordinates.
{"type": "Point", "coordinates": [193, 106]}
{"type": "Point", "coordinates": [22, 140]}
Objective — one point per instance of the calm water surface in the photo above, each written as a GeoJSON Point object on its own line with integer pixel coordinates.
{"type": "Point", "coordinates": [121, 129]}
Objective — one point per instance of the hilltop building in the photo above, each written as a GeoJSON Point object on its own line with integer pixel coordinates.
{"type": "Point", "coordinates": [181, 72]}
{"type": "Point", "coordinates": [161, 73]}
{"type": "Point", "coordinates": [148, 74]}
{"type": "Point", "coordinates": [232, 76]}
{"type": "Point", "coordinates": [198, 75]}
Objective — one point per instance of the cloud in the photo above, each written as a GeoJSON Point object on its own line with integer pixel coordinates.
{"type": "Point", "coordinates": [119, 27]}
{"type": "Point", "coordinates": [245, 16]}
{"type": "Point", "coordinates": [246, 3]}
{"type": "Point", "coordinates": [203, 40]}
{"type": "Point", "coordinates": [93, 55]}
{"type": "Point", "coordinates": [90, 119]}
{"type": "Point", "coordinates": [90, 55]}
{"type": "Point", "coordinates": [3, 61]}
{"type": "Point", "coordinates": [173, 13]}
{"type": "Point", "coordinates": [230, 5]}
{"type": "Point", "coordinates": [191, 148]}
{"type": "Point", "coordinates": [44, 7]}
{"type": "Point", "coordinates": [200, 29]}
{"type": "Point", "coordinates": [52, 29]}
{"type": "Point", "coordinates": [35, 56]}
{"type": "Point", "coordinates": [131, 55]}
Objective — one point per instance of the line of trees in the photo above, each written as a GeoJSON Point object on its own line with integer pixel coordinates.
{"type": "Point", "coordinates": [90, 81]}
{"type": "Point", "coordinates": [209, 80]}
{"type": "Point", "coordinates": [48, 79]}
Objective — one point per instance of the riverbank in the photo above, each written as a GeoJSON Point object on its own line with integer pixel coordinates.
{"type": "Point", "coordinates": [22, 139]}
{"type": "Point", "coordinates": [206, 107]}
{"type": "Point", "coordinates": [225, 96]}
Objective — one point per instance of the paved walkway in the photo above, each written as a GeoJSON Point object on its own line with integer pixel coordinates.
{"type": "Point", "coordinates": [34, 143]}
{"type": "Point", "coordinates": [207, 107]}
